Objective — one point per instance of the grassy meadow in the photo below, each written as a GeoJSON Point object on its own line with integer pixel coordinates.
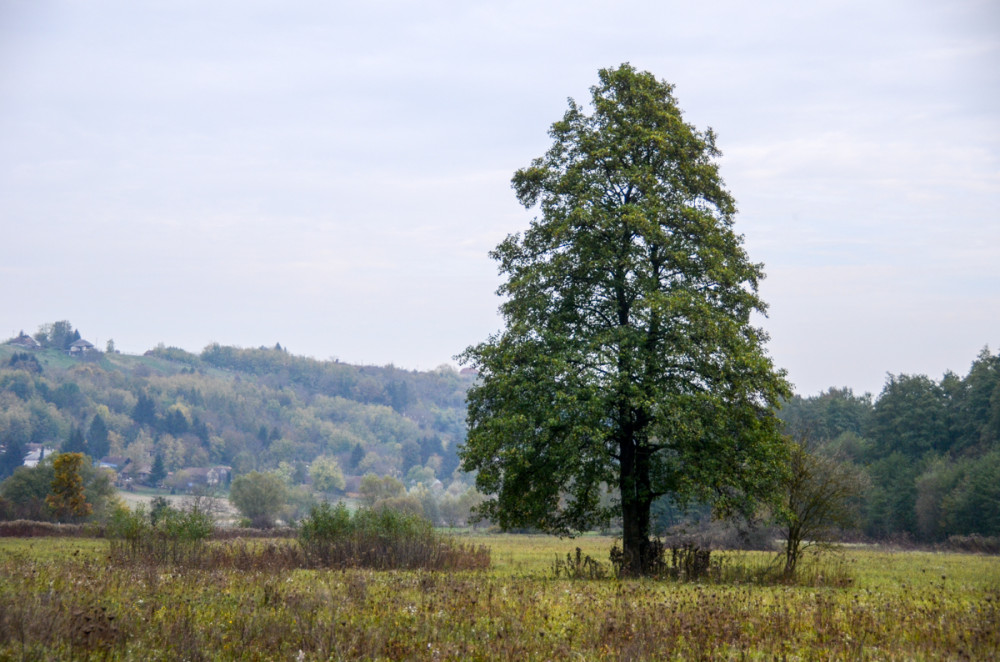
{"type": "Point", "coordinates": [64, 598]}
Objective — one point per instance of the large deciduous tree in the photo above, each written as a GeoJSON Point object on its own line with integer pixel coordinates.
{"type": "Point", "coordinates": [628, 361]}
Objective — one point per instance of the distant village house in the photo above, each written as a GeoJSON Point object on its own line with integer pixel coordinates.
{"type": "Point", "coordinates": [25, 341]}
{"type": "Point", "coordinates": [80, 347]}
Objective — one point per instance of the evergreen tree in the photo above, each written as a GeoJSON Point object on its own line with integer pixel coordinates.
{"type": "Point", "coordinates": [144, 412]}
{"type": "Point", "coordinates": [12, 456]}
{"type": "Point", "coordinates": [75, 443]}
{"type": "Point", "coordinates": [158, 471]}
{"type": "Point", "coordinates": [97, 438]}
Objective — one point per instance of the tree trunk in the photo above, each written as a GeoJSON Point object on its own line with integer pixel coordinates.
{"type": "Point", "coordinates": [793, 545]}
{"type": "Point", "coordinates": [639, 554]}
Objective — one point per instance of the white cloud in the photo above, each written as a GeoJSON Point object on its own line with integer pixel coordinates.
{"type": "Point", "coordinates": [332, 176]}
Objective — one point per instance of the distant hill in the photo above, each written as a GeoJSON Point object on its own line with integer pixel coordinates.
{"type": "Point", "coordinates": [248, 409]}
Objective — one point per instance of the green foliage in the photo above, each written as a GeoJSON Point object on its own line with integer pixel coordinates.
{"type": "Point", "coordinates": [821, 495]}
{"type": "Point", "coordinates": [57, 335]}
{"type": "Point", "coordinates": [187, 525]}
{"type": "Point", "coordinates": [409, 455]}
{"type": "Point", "coordinates": [198, 416]}
{"type": "Point", "coordinates": [408, 504]}
{"type": "Point", "coordinates": [457, 506]}
{"type": "Point", "coordinates": [144, 412]}
{"type": "Point", "coordinates": [326, 475]}
{"type": "Point", "coordinates": [910, 417]}
{"type": "Point", "coordinates": [927, 495]}
{"type": "Point", "coordinates": [973, 506]}
{"type": "Point", "coordinates": [890, 505]}
{"type": "Point", "coordinates": [391, 524]}
{"type": "Point", "coordinates": [260, 497]}
{"type": "Point", "coordinates": [12, 456]}
{"type": "Point", "coordinates": [98, 444]}
{"type": "Point", "coordinates": [973, 405]}
{"type": "Point", "coordinates": [923, 443]}
{"type": "Point", "coordinates": [300, 499]}
{"type": "Point", "coordinates": [175, 354]}
{"type": "Point", "coordinates": [628, 357]}
{"type": "Point", "coordinates": [325, 524]}
{"type": "Point", "coordinates": [164, 535]}
{"type": "Point", "coordinates": [25, 490]}
{"type": "Point", "coordinates": [26, 362]}
{"type": "Point", "coordinates": [357, 454]}
{"type": "Point", "coordinates": [18, 382]}
{"type": "Point", "coordinates": [128, 525]}
{"type": "Point", "coordinates": [158, 470]}
{"type": "Point", "coordinates": [374, 489]}
{"type": "Point", "coordinates": [827, 416]}
{"type": "Point", "coordinates": [75, 443]}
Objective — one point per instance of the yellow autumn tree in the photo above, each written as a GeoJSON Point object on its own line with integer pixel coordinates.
{"type": "Point", "coordinates": [67, 500]}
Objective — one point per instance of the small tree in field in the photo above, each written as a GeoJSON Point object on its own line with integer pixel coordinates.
{"type": "Point", "coordinates": [326, 474]}
{"type": "Point", "coordinates": [374, 489]}
{"type": "Point", "coordinates": [67, 500]}
{"type": "Point", "coordinates": [259, 497]}
{"type": "Point", "coordinates": [821, 494]}
{"type": "Point", "coordinates": [628, 364]}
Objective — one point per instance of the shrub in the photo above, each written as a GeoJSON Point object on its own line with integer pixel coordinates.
{"type": "Point", "coordinates": [329, 537]}
{"type": "Point", "coordinates": [325, 524]}
{"type": "Point", "coordinates": [172, 536]}
{"type": "Point", "coordinates": [380, 538]}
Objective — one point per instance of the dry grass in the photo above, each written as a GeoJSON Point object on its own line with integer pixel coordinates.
{"type": "Point", "coordinates": [899, 606]}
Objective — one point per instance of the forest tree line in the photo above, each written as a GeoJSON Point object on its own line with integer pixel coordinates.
{"type": "Point", "coordinates": [931, 450]}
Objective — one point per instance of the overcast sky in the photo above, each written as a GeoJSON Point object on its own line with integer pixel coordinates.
{"type": "Point", "coordinates": [331, 175]}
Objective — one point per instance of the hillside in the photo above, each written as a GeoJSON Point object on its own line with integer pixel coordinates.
{"type": "Point", "coordinates": [248, 409]}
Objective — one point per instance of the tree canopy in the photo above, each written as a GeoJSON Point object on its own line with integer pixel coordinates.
{"type": "Point", "coordinates": [259, 497]}
{"type": "Point", "coordinates": [67, 499]}
{"type": "Point", "coordinates": [326, 474]}
{"type": "Point", "coordinates": [628, 362]}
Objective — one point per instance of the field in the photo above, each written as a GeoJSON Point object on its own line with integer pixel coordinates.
{"type": "Point", "coordinates": [63, 599]}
